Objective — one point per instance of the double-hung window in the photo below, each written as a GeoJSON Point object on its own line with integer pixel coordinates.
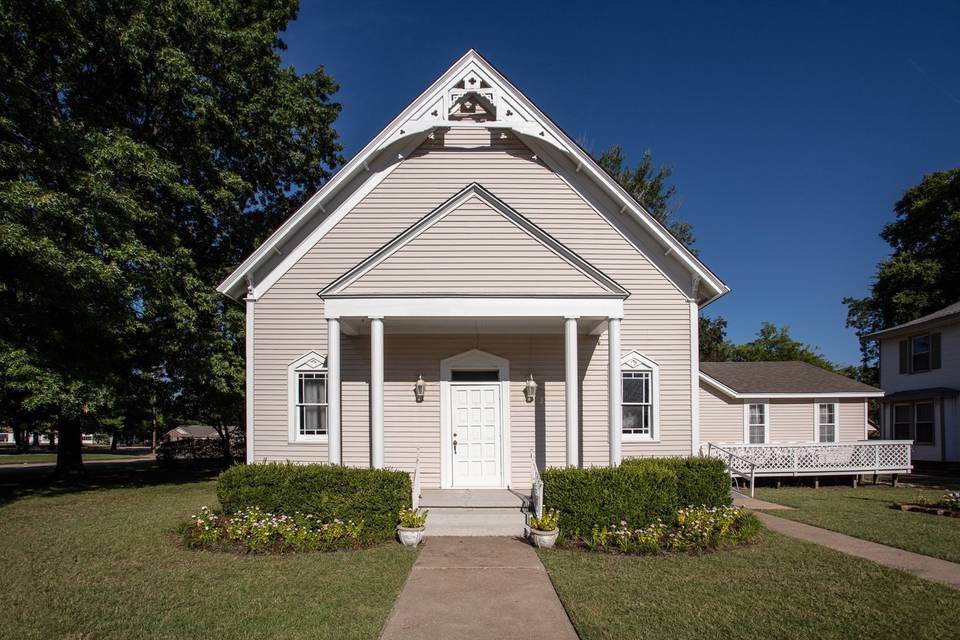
{"type": "Point", "coordinates": [639, 396]}
{"type": "Point", "coordinates": [923, 423]}
{"type": "Point", "coordinates": [903, 422]}
{"type": "Point", "coordinates": [827, 421]}
{"type": "Point", "coordinates": [920, 353]}
{"type": "Point", "coordinates": [307, 380]}
{"type": "Point", "coordinates": [757, 423]}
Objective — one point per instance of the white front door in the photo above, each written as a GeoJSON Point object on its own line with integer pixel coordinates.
{"type": "Point", "coordinates": [475, 434]}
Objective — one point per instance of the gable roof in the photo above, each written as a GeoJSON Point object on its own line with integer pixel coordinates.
{"type": "Point", "coordinates": [440, 106]}
{"type": "Point", "coordinates": [781, 379]}
{"type": "Point", "coordinates": [943, 315]}
{"type": "Point", "coordinates": [512, 238]}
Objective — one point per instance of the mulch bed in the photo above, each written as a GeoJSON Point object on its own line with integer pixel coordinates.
{"type": "Point", "coordinates": [933, 510]}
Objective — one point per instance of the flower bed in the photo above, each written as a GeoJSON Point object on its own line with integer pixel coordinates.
{"type": "Point", "coordinates": [694, 529]}
{"type": "Point", "coordinates": [946, 505]}
{"type": "Point", "coordinates": [256, 531]}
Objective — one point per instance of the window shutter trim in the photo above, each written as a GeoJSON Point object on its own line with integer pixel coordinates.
{"type": "Point", "coordinates": [934, 350]}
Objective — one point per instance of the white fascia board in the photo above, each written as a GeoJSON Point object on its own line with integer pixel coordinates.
{"type": "Point", "coordinates": [762, 396]}
{"type": "Point", "coordinates": [459, 307]}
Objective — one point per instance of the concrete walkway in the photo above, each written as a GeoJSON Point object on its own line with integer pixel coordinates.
{"type": "Point", "coordinates": [478, 587]}
{"type": "Point", "coordinates": [919, 565]}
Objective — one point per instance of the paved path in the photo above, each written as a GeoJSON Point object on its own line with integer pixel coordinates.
{"type": "Point", "coordinates": [464, 588]}
{"type": "Point", "coordinates": [919, 565]}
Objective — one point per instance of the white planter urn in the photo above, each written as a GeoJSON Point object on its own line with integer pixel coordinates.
{"type": "Point", "coordinates": [544, 539]}
{"type": "Point", "coordinates": [410, 536]}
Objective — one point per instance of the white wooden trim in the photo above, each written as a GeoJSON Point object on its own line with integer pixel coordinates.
{"type": "Point", "coordinates": [816, 417]}
{"type": "Point", "coordinates": [248, 382]}
{"type": "Point", "coordinates": [473, 307]}
{"type": "Point", "coordinates": [473, 360]}
{"type": "Point", "coordinates": [614, 382]}
{"type": "Point", "coordinates": [759, 396]}
{"type": "Point", "coordinates": [311, 361]}
{"type": "Point", "coordinates": [766, 420]}
{"type": "Point", "coordinates": [571, 390]}
{"type": "Point", "coordinates": [376, 392]}
{"type": "Point", "coordinates": [636, 361]}
{"type": "Point", "coordinates": [334, 449]}
{"type": "Point", "coordinates": [694, 377]}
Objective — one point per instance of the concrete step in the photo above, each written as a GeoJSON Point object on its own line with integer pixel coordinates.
{"type": "Point", "coordinates": [471, 498]}
{"type": "Point", "coordinates": [476, 521]}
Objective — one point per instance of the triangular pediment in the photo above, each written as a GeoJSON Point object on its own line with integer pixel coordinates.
{"type": "Point", "coordinates": [474, 245]}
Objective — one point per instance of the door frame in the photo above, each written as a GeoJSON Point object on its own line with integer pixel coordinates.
{"type": "Point", "coordinates": [473, 360]}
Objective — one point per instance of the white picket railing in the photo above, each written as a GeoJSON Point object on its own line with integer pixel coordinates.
{"type": "Point", "coordinates": [536, 486]}
{"type": "Point", "coordinates": [736, 465]}
{"type": "Point", "coordinates": [415, 487]}
{"type": "Point", "coordinates": [821, 458]}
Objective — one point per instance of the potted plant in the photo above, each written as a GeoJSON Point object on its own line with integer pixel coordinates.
{"type": "Point", "coordinates": [545, 529]}
{"type": "Point", "coordinates": [411, 526]}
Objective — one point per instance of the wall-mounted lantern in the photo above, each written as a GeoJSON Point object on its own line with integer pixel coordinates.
{"type": "Point", "coordinates": [419, 389]}
{"type": "Point", "coordinates": [530, 389]}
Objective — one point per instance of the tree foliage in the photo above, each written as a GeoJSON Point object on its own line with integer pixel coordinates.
{"type": "Point", "coordinates": [145, 147]}
{"type": "Point", "coordinates": [772, 343]}
{"type": "Point", "coordinates": [922, 274]}
{"type": "Point", "coordinates": [648, 186]}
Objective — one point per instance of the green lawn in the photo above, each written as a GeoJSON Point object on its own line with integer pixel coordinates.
{"type": "Point", "coordinates": [22, 458]}
{"type": "Point", "coordinates": [865, 513]}
{"type": "Point", "coordinates": [778, 588]}
{"type": "Point", "coordinates": [105, 563]}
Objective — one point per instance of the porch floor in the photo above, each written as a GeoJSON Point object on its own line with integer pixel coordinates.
{"type": "Point", "coordinates": [472, 498]}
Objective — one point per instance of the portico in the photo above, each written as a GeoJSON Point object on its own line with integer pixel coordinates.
{"type": "Point", "coordinates": [474, 435]}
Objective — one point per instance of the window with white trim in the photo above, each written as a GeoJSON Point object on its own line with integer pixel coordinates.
{"type": "Point", "coordinates": [923, 423]}
{"type": "Point", "coordinates": [920, 353]}
{"type": "Point", "coordinates": [639, 397]}
{"type": "Point", "coordinates": [757, 423]}
{"type": "Point", "coordinates": [902, 422]}
{"type": "Point", "coordinates": [307, 378]}
{"type": "Point", "coordinates": [827, 422]}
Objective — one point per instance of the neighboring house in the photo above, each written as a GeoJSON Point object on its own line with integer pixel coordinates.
{"type": "Point", "coordinates": [469, 296]}
{"type": "Point", "coordinates": [920, 373]}
{"type": "Point", "coordinates": [781, 402]}
{"type": "Point", "coordinates": [191, 431]}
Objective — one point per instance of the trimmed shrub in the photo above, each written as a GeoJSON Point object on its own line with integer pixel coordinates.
{"type": "Point", "coordinates": [371, 496]}
{"type": "Point", "coordinates": [640, 491]}
{"type": "Point", "coordinates": [700, 480]}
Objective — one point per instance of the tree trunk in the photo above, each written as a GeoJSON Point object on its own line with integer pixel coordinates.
{"type": "Point", "coordinates": [21, 438]}
{"type": "Point", "coordinates": [36, 439]}
{"type": "Point", "coordinates": [115, 440]}
{"type": "Point", "coordinates": [52, 445]}
{"type": "Point", "coordinates": [70, 451]}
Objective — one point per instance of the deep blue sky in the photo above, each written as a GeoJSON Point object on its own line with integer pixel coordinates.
{"type": "Point", "coordinates": [791, 130]}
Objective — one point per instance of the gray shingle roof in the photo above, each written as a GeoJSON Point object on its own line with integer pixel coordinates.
{"type": "Point", "coordinates": [942, 314]}
{"type": "Point", "coordinates": [781, 377]}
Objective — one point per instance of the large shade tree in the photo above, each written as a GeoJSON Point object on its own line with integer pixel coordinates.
{"type": "Point", "coordinates": [145, 148]}
{"type": "Point", "coordinates": [922, 273]}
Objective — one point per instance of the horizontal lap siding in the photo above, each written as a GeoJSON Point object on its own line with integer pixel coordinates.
{"type": "Point", "coordinates": [289, 317]}
{"type": "Point", "coordinates": [474, 250]}
{"type": "Point", "coordinates": [791, 421]}
{"type": "Point", "coordinates": [721, 418]}
{"type": "Point", "coordinates": [853, 419]}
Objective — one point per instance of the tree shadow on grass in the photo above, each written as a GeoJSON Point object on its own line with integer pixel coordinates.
{"type": "Point", "coordinates": [18, 483]}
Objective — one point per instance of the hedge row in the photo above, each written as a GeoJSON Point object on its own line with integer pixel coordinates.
{"type": "Point", "coordinates": [639, 491]}
{"type": "Point", "coordinates": [374, 496]}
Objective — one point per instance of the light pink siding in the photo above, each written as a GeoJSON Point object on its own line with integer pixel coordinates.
{"type": "Point", "coordinates": [789, 420]}
{"type": "Point", "coordinates": [474, 250]}
{"type": "Point", "coordinates": [289, 316]}
{"type": "Point", "coordinates": [721, 419]}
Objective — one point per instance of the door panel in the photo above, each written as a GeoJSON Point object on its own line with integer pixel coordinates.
{"type": "Point", "coordinates": [475, 427]}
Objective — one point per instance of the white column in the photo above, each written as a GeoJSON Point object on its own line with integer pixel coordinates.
{"type": "Point", "coordinates": [695, 378]}
{"type": "Point", "coordinates": [248, 392]}
{"type": "Point", "coordinates": [571, 384]}
{"type": "Point", "coordinates": [614, 413]}
{"type": "Point", "coordinates": [333, 390]}
{"type": "Point", "coordinates": [376, 391]}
